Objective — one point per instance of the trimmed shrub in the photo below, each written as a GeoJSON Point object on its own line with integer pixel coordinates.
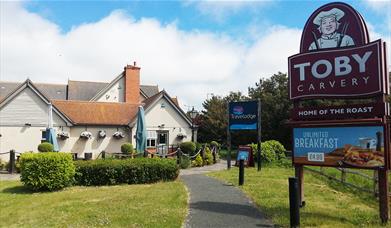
{"type": "Point", "coordinates": [47, 171]}
{"type": "Point", "coordinates": [129, 171]}
{"type": "Point", "coordinates": [197, 162]}
{"type": "Point", "coordinates": [127, 148]}
{"type": "Point", "coordinates": [208, 160]}
{"type": "Point", "coordinates": [272, 151]}
{"type": "Point", "coordinates": [188, 148]}
{"type": "Point", "coordinates": [184, 162]}
{"type": "Point", "coordinates": [198, 147]}
{"type": "Point", "coordinates": [45, 147]}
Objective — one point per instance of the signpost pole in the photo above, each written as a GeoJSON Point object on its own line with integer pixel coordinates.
{"type": "Point", "coordinates": [384, 201]}
{"type": "Point", "coordinates": [228, 141]}
{"type": "Point", "coordinates": [259, 136]}
{"type": "Point", "coordinates": [299, 173]}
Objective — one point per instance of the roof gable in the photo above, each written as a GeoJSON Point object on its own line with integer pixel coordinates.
{"type": "Point", "coordinates": [152, 101]}
{"type": "Point", "coordinates": [28, 84]}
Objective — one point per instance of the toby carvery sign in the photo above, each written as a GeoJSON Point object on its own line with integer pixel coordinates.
{"type": "Point", "coordinates": [243, 115]}
{"type": "Point", "coordinates": [336, 58]}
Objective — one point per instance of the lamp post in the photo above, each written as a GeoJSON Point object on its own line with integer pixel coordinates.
{"type": "Point", "coordinates": [193, 113]}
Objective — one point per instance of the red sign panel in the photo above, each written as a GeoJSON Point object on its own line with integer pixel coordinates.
{"type": "Point", "coordinates": [340, 112]}
{"type": "Point", "coordinates": [334, 25]}
{"type": "Point", "coordinates": [349, 72]}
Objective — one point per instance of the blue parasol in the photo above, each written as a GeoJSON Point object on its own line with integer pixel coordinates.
{"type": "Point", "coordinates": [141, 132]}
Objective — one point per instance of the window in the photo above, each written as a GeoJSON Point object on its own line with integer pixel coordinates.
{"type": "Point", "coordinates": [151, 139]}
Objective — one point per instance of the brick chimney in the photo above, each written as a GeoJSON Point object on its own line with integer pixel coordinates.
{"type": "Point", "coordinates": [132, 84]}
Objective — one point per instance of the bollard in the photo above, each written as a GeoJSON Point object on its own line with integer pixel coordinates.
{"type": "Point", "coordinates": [294, 205]}
{"type": "Point", "coordinates": [229, 159]}
{"type": "Point", "coordinates": [178, 156]}
{"type": "Point", "coordinates": [103, 154]}
{"type": "Point", "coordinates": [259, 156]}
{"type": "Point", "coordinates": [241, 172]}
{"type": "Point", "coordinates": [214, 157]}
{"type": "Point", "coordinates": [11, 168]}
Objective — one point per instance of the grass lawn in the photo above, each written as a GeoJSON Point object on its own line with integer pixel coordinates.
{"type": "Point", "coordinates": [328, 204]}
{"type": "Point", "coordinates": [154, 205]}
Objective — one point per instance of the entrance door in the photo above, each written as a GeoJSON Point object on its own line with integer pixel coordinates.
{"type": "Point", "coordinates": [162, 141]}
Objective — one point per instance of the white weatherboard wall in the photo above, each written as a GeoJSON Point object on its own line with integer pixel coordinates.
{"type": "Point", "coordinates": [115, 93]}
{"type": "Point", "coordinates": [95, 145]}
{"type": "Point", "coordinates": [173, 122]}
{"type": "Point", "coordinates": [26, 107]}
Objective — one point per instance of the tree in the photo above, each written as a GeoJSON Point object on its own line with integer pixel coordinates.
{"type": "Point", "coordinates": [214, 120]}
{"type": "Point", "coordinates": [275, 107]}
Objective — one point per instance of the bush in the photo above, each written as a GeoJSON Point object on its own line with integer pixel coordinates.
{"type": "Point", "coordinates": [198, 162]}
{"type": "Point", "coordinates": [188, 148]}
{"type": "Point", "coordinates": [45, 147]}
{"type": "Point", "coordinates": [129, 171]}
{"type": "Point", "coordinates": [184, 162]}
{"type": "Point", "coordinates": [47, 171]}
{"type": "Point", "coordinates": [215, 144]}
{"type": "Point", "coordinates": [17, 166]}
{"type": "Point", "coordinates": [271, 151]}
{"type": "Point", "coordinates": [208, 160]}
{"type": "Point", "coordinates": [2, 164]}
{"type": "Point", "coordinates": [127, 148]}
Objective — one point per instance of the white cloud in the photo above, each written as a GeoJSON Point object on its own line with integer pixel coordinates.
{"type": "Point", "coordinates": [187, 64]}
{"type": "Point", "coordinates": [219, 10]}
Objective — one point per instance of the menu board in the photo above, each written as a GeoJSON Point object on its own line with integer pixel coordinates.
{"type": "Point", "coordinates": [354, 146]}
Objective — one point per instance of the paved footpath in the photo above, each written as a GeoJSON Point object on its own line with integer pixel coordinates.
{"type": "Point", "coordinates": [216, 204]}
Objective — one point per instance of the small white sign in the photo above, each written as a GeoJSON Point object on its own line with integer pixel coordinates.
{"type": "Point", "coordinates": [315, 157]}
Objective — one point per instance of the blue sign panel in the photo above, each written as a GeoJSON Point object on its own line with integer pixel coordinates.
{"type": "Point", "coordinates": [357, 146]}
{"type": "Point", "coordinates": [243, 115]}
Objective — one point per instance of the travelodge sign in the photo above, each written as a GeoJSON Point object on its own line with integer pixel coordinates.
{"type": "Point", "coordinates": [336, 58]}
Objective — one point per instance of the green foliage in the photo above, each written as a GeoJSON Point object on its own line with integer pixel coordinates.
{"type": "Point", "coordinates": [215, 144]}
{"type": "Point", "coordinates": [47, 171]}
{"type": "Point", "coordinates": [17, 166]}
{"type": "Point", "coordinates": [188, 147]}
{"type": "Point", "coordinates": [197, 162]}
{"type": "Point", "coordinates": [198, 147]}
{"type": "Point", "coordinates": [184, 162]}
{"type": "Point", "coordinates": [2, 164]}
{"type": "Point", "coordinates": [213, 119]}
{"type": "Point", "coordinates": [129, 171]}
{"type": "Point", "coordinates": [127, 148]}
{"type": "Point", "coordinates": [276, 106]}
{"type": "Point", "coordinates": [45, 147]}
{"type": "Point", "coordinates": [208, 160]}
{"type": "Point", "coordinates": [271, 151]}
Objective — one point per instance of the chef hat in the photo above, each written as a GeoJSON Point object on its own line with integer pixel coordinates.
{"type": "Point", "coordinates": [337, 13]}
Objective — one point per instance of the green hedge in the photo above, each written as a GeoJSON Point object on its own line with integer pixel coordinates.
{"type": "Point", "coordinates": [129, 171]}
{"type": "Point", "coordinates": [47, 171]}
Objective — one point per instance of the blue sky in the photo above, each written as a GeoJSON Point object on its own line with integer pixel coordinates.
{"type": "Point", "coordinates": [189, 48]}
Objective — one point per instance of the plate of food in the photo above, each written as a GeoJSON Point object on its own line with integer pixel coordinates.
{"type": "Point", "coordinates": [363, 158]}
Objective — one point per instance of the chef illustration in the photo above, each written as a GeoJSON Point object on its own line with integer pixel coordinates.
{"type": "Point", "coordinates": [328, 24]}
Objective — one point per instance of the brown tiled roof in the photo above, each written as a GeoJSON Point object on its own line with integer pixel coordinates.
{"type": "Point", "coordinates": [97, 113]}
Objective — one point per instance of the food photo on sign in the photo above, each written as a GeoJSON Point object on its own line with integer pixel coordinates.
{"type": "Point", "coordinates": [356, 146]}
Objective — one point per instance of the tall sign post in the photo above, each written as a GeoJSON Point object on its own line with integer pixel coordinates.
{"type": "Point", "coordinates": [244, 115]}
{"type": "Point", "coordinates": [337, 60]}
